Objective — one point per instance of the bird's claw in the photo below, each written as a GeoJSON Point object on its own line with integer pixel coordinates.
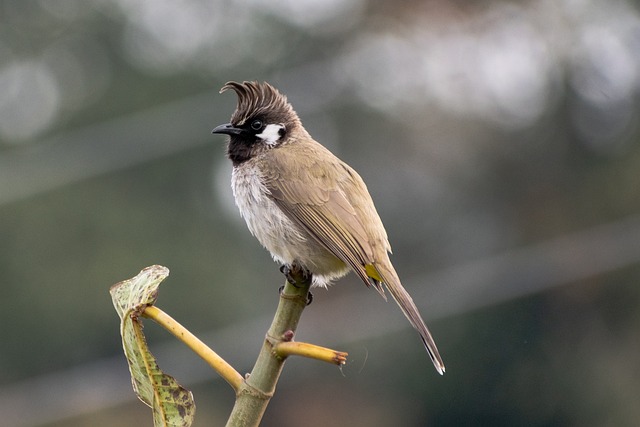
{"type": "Point", "coordinates": [290, 273]}
{"type": "Point", "coordinates": [303, 276]}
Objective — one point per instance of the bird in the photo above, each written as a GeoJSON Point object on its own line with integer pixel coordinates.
{"type": "Point", "coordinates": [307, 207]}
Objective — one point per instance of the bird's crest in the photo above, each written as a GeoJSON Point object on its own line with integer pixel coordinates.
{"type": "Point", "coordinates": [257, 99]}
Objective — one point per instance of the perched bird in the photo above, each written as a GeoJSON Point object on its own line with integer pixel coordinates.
{"type": "Point", "coordinates": [306, 206]}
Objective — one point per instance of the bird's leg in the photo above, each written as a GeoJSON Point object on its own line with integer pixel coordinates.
{"type": "Point", "coordinates": [296, 275]}
{"type": "Point", "coordinates": [286, 270]}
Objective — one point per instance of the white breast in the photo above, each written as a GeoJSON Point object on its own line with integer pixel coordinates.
{"type": "Point", "coordinates": [265, 220]}
{"type": "Point", "coordinates": [276, 232]}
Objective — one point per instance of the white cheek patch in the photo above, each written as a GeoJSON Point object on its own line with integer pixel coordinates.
{"type": "Point", "coordinates": [271, 134]}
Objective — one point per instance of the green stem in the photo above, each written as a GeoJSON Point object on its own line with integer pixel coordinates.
{"type": "Point", "coordinates": [220, 365]}
{"type": "Point", "coordinates": [256, 390]}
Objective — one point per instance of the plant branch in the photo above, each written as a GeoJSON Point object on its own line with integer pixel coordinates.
{"type": "Point", "coordinates": [292, 348]}
{"type": "Point", "coordinates": [220, 365]}
{"type": "Point", "coordinates": [258, 388]}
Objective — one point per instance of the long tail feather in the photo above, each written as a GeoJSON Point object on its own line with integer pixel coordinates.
{"type": "Point", "coordinates": [408, 307]}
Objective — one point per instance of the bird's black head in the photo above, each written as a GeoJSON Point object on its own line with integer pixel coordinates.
{"type": "Point", "coordinates": [262, 120]}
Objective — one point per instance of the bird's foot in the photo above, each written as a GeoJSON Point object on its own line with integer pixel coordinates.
{"type": "Point", "coordinates": [298, 277]}
{"type": "Point", "coordinates": [295, 274]}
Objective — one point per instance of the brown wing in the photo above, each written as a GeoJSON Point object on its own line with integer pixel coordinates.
{"type": "Point", "coordinates": [314, 195]}
{"type": "Point", "coordinates": [331, 202]}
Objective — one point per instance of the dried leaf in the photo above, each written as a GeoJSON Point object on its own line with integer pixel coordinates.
{"type": "Point", "coordinates": [172, 404]}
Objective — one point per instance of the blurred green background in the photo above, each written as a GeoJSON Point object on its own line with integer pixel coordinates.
{"type": "Point", "coordinates": [499, 140]}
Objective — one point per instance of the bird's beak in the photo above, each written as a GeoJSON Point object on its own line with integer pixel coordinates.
{"type": "Point", "coordinates": [228, 129]}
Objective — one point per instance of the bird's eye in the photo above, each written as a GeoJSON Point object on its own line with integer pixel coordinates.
{"type": "Point", "coordinates": [256, 124]}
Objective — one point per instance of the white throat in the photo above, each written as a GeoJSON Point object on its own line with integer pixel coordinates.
{"type": "Point", "coordinates": [271, 134]}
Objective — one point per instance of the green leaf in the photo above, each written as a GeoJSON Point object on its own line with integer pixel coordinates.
{"type": "Point", "coordinates": [172, 404]}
